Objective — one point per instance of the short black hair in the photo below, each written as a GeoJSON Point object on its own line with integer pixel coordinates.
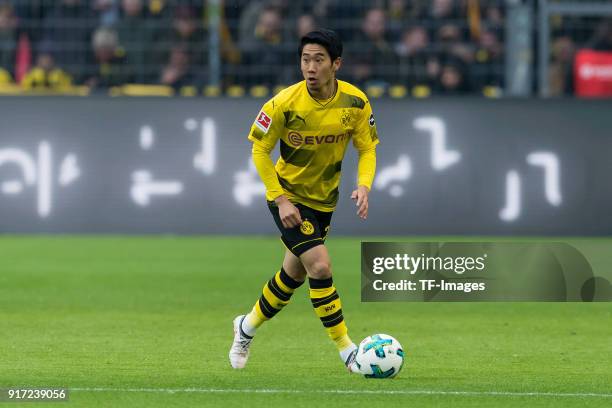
{"type": "Point", "coordinates": [329, 39]}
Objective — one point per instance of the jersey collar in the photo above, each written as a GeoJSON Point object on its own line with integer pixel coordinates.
{"type": "Point", "coordinates": [326, 102]}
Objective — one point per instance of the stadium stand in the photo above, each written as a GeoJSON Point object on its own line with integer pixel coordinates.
{"type": "Point", "coordinates": [400, 47]}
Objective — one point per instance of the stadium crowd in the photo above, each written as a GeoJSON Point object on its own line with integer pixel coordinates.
{"type": "Point", "coordinates": [570, 35]}
{"type": "Point", "coordinates": [428, 46]}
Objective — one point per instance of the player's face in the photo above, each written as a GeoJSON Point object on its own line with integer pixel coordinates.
{"type": "Point", "coordinates": [317, 67]}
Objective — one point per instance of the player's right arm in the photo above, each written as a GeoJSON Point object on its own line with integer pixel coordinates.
{"type": "Point", "coordinates": [265, 132]}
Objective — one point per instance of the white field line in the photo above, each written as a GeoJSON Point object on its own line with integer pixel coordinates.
{"type": "Point", "coordinates": [347, 392]}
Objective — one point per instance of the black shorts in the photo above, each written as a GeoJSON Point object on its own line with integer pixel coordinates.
{"type": "Point", "coordinates": [312, 231]}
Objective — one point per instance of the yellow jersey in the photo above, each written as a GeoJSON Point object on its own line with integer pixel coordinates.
{"type": "Point", "coordinates": [313, 137]}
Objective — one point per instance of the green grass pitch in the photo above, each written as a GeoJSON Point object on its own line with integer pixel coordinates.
{"type": "Point", "coordinates": [146, 322]}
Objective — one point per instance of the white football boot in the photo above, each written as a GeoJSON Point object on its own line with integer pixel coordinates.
{"type": "Point", "coordinates": [239, 352]}
{"type": "Point", "coordinates": [351, 363]}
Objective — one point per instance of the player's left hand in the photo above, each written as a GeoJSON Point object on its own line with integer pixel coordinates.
{"type": "Point", "coordinates": [361, 197]}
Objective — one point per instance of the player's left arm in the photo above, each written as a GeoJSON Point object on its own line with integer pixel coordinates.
{"type": "Point", "coordinates": [365, 139]}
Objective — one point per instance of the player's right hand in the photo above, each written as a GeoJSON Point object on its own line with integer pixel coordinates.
{"type": "Point", "coordinates": [289, 214]}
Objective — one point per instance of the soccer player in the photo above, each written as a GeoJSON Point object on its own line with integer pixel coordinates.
{"type": "Point", "coordinates": [314, 120]}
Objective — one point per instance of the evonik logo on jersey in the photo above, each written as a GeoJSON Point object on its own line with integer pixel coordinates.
{"type": "Point", "coordinates": [296, 139]}
{"type": "Point", "coordinates": [263, 121]}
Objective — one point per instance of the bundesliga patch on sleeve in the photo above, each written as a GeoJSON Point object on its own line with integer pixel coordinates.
{"type": "Point", "coordinates": [263, 121]}
{"type": "Point", "coordinates": [372, 122]}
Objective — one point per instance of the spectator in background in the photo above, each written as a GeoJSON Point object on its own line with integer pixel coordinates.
{"type": "Point", "coordinates": [489, 59]}
{"type": "Point", "coordinates": [66, 34]}
{"type": "Point", "coordinates": [452, 79]}
{"type": "Point", "coordinates": [414, 40]}
{"type": "Point", "coordinates": [415, 57]}
{"type": "Point", "coordinates": [319, 9]}
{"type": "Point", "coordinates": [494, 17]}
{"type": "Point", "coordinates": [178, 72]}
{"type": "Point", "coordinates": [161, 10]}
{"type": "Point", "coordinates": [110, 69]}
{"type": "Point", "coordinates": [560, 69]}
{"type": "Point", "coordinates": [447, 25]}
{"type": "Point", "coordinates": [371, 57]}
{"type": "Point", "coordinates": [188, 33]}
{"type": "Point", "coordinates": [439, 14]}
{"type": "Point", "coordinates": [450, 42]}
{"type": "Point", "coordinates": [304, 24]}
{"type": "Point", "coordinates": [45, 74]}
{"type": "Point", "coordinates": [136, 34]}
{"type": "Point", "coordinates": [443, 10]}
{"type": "Point", "coordinates": [265, 55]}
{"type": "Point", "coordinates": [8, 42]}
{"type": "Point", "coordinates": [250, 16]}
{"type": "Point", "coordinates": [490, 45]}
{"type": "Point", "coordinates": [107, 11]}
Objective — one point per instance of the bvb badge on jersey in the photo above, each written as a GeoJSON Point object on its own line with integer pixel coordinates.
{"type": "Point", "coordinates": [307, 228]}
{"type": "Point", "coordinates": [345, 118]}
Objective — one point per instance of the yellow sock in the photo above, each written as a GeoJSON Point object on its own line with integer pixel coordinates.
{"type": "Point", "coordinates": [328, 307]}
{"type": "Point", "coordinates": [275, 295]}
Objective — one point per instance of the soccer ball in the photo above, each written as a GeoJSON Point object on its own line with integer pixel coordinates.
{"type": "Point", "coordinates": [380, 356]}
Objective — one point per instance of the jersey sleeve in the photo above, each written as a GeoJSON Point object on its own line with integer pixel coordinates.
{"type": "Point", "coordinates": [365, 135]}
{"type": "Point", "coordinates": [268, 126]}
